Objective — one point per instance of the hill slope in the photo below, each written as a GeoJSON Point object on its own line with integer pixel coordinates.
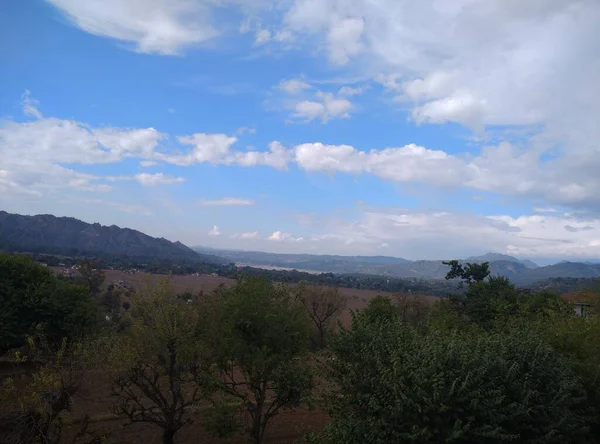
{"type": "Point", "coordinates": [522, 272]}
{"type": "Point", "coordinates": [45, 233]}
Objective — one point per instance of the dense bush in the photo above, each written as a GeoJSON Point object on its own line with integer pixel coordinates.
{"type": "Point", "coordinates": [31, 294]}
{"type": "Point", "coordinates": [394, 384]}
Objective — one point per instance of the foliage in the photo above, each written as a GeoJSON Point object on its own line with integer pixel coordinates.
{"type": "Point", "coordinates": [259, 337]}
{"type": "Point", "coordinates": [469, 272]}
{"type": "Point", "coordinates": [156, 362]}
{"type": "Point", "coordinates": [31, 295]}
{"type": "Point", "coordinates": [393, 384]}
{"type": "Point", "coordinates": [47, 396]}
{"type": "Point", "coordinates": [323, 305]}
{"type": "Point", "coordinates": [92, 275]}
{"type": "Point", "coordinates": [576, 338]}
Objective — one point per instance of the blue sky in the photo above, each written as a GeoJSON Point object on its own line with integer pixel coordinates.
{"type": "Point", "coordinates": [434, 129]}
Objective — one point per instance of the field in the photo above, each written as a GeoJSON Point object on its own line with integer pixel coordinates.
{"type": "Point", "coordinates": [95, 400]}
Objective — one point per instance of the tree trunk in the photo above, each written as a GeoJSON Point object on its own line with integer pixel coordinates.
{"type": "Point", "coordinates": [322, 336]}
{"type": "Point", "coordinates": [168, 436]}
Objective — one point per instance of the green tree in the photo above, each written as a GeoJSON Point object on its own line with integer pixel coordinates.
{"type": "Point", "coordinates": [259, 337]}
{"type": "Point", "coordinates": [468, 272]}
{"type": "Point", "coordinates": [393, 384]}
{"type": "Point", "coordinates": [92, 275]}
{"type": "Point", "coordinates": [31, 295]}
{"type": "Point", "coordinates": [323, 305]}
{"type": "Point", "coordinates": [156, 363]}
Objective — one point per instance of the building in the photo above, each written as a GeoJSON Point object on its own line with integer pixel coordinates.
{"type": "Point", "coordinates": [582, 301]}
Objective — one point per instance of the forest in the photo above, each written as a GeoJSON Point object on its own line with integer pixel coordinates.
{"type": "Point", "coordinates": [492, 363]}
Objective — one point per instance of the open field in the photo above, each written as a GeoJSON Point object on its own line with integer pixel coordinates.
{"type": "Point", "coordinates": [141, 281]}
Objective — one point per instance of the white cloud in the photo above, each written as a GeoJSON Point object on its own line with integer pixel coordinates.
{"type": "Point", "coordinates": [484, 64]}
{"type": "Point", "coordinates": [152, 26]}
{"type": "Point", "coordinates": [293, 86]}
{"type": "Point", "coordinates": [245, 129]}
{"type": "Point", "coordinates": [351, 91]}
{"type": "Point", "coordinates": [262, 36]}
{"type": "Point", "coordinates": [327, 107]}
{"type": "Point", "coordinates": [212, 148]}
{"type": "Point", "coordinates": [157, 179]}
{"type": "Point", "coordinates": [30, 105]}
{"type": "Point", "coordinates": [345, 39]}
{"type": "Point", "coordinates": [410, 163]}
{"type": "Point", "coordinates": [214, 231]}
{"type": "Point", "coordinates": [418, 234]}
{"type": "Point", "coordinates": [227, 201]}
{"type": "Point", "coordinates": [147, 163]}
{"type": "Point", "coordinates": [246, 235]}
{"type": "Point", "coordinates": [279, 236]}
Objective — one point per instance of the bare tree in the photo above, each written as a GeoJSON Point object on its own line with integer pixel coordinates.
{"type": "Point", "coordinates": [323, 306]}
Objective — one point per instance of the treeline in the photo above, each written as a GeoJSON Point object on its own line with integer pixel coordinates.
{"type": "Point", "coordinates": [491, 365]}
{"type": "Point", "coordinates": [358, 281]}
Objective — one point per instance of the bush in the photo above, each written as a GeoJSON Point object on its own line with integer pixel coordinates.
{"type": "Point", "coordinates": [31, 294]}
{"type": "Point", "coordinates": [393, 384]}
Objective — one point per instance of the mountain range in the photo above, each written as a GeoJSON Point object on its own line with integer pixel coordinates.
{"type": "Point", "coordinates": [522, 272]}
{"type": "Point", "coordinates": [45, 233]}
{"type": "Point", "coordinates": [68, 236]}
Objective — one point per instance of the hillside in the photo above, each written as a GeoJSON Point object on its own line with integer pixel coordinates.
{"type": "Point", "coordinates": [45, 233]}
{"type": "Point", "coordinates": [522, 272]}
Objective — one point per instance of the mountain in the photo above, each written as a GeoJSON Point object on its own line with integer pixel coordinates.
{"type": "Point", "coordinates": [45, 233]}
{"type": "Point", "coordinates": [493, 257]}
{"type": "Point", "coordinates": [521, 272]}
{"type": "Point", "coordinates": [382, 265]}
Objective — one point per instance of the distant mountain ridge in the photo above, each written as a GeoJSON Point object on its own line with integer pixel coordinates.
{"type": "Point", "coordinates": [45, 233]}
{"type": "Point", "coordinates": [522, 272]}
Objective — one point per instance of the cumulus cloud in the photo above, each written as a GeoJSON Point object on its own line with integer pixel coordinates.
{"type": "Point", "coordinates": [164, 27]}
{"type": "Point", "coordinates": [410, 163]}
{"type": "Point", "coordinates": [324, 106]}
{"type": "Point", "coordinates": [214, 231]}
{"type": "Point", "coordinates": [307, 103]}
{"type": "Point", "coordinates": [484, 64]}
{"type": "Point", "coordinates": [35, 153]}
{"type": "Point", "coordinates": [227, 201]}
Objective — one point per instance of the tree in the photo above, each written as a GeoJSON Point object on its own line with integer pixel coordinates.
{"type": "Point", "coordinates": [323, 305]}
{"type": "Point", "coordinates": [45, 395]}
{"type": "Point", "coordinates": [259, 337]}
{"type": "Point", "coordinates": [393, 384]}
{"type": "Point", "coordinates": [157, 362]}
{"type": "Point", "coordinates": [31, 295]}
{"type": "Point", "coordinates": [92, 275]}
{"type": "Point", "coordinates": [468, 273]}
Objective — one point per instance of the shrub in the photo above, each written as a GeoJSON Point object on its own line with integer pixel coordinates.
{"type": "Point", "coordinates": [393, 384]}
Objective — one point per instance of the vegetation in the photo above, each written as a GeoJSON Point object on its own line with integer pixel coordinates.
{"type": "Point", "coordinates": [493, 363]}
{"type": "Point", "coordinates": [155, 364]}
{"type": "Point", "coordinates": [323, 305]}
{"type": "Point", "coordinates": [259, 341]}
{"type": "Point", "coordinates": [393, 384]}
{"type": "Point", "coordinates": [31, 296]}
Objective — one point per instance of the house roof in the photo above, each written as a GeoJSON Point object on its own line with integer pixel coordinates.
{"type": "Point", "coordinates": [581, 297]}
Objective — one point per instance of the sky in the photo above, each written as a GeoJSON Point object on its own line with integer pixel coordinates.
{"type": "Point", "coordinates": [424, 130]}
